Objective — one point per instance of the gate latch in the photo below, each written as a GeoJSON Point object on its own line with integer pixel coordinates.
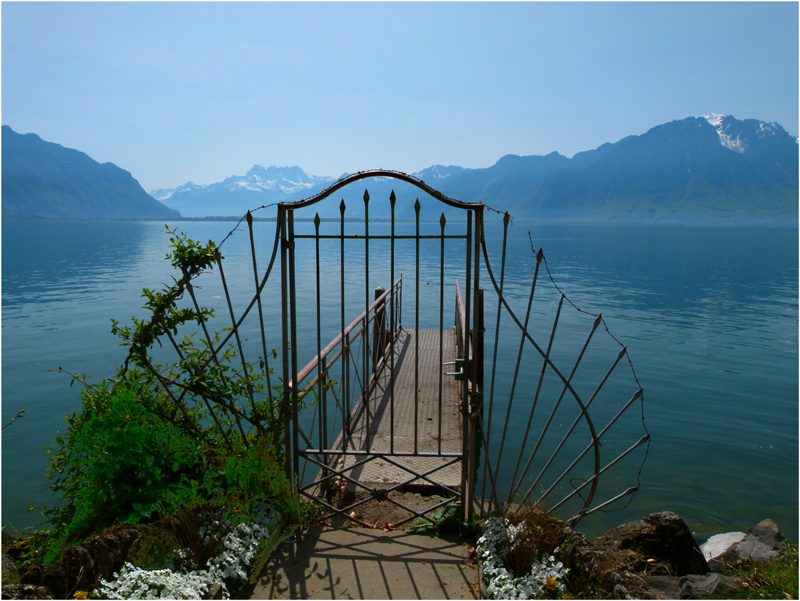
{"type": "Point", "coordinates": [459, 363]}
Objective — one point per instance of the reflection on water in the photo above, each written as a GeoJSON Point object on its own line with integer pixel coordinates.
{"type": "Point", "coordinates": [709, 316]}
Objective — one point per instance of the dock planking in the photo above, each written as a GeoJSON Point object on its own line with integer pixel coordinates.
{"type": "Point", "coordinates": [403, 433]}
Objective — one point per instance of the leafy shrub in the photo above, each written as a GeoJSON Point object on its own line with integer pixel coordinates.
{"type": "Point", "coordinates": [124, 459]}
{"type": "Point", "coordinates": [159, 437]}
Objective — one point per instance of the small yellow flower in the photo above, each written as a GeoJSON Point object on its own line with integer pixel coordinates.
{"type": "Point", "coordinates": [551, 584]}
{"type": "Point", "coordinates": [568, 596]}
{"type": "Point", "coordinates": [80, 595]}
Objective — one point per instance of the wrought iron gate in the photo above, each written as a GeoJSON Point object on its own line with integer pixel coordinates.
{"type": "Point", "coordinates": [355, 379]}
{"type": "Point", "coordinates": [403, 395]}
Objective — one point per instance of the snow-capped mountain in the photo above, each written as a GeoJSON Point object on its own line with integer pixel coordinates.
{"type": "Point", "coordinates": [164, 193]}
{"type": "Point", "coordinates": [708, 169]}
{"type": "Point", "coordinates": [735, 134]}
{"type": "Point", "coordinates": [239, 193]}
{"type": "Point", "coordinates": [438, 172]}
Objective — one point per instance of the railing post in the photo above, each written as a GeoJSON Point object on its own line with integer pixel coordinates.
{"type": "Point", "coordinates": [475, 404]}
{"type": "Point", "coordinates": [378, 330]}
{"type": "Point", "coordinates": [285, 402]}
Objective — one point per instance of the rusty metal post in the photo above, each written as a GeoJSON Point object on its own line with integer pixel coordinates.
{"type": "Point", "coordinates": [476, 403]}
{"type": "Point", "coordinates": [284, 402]}
{"type": "Point", "coordinates": [378, 330]}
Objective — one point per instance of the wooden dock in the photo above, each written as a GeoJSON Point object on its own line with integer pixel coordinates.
{"type": "Point", "coordinates": [420, 428]}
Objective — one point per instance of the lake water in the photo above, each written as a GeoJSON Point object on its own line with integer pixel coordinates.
{"type": "Point", "coordinates": [709, 315]}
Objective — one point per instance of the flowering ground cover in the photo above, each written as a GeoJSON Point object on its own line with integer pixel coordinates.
{"type": "Point", "coordinates": [242, 547]}
{"type": "Point", "coordinates": [501, 538]}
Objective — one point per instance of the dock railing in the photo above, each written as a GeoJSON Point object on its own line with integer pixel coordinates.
{"type": "Point", "coordinates": [347, 349]}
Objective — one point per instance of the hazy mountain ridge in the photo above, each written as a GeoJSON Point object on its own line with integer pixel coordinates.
{"type": "Point", "coordinates": [708, 169]}
{"type": "Point", "coordinates": [43, 179]}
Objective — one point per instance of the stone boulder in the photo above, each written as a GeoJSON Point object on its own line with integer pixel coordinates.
{"type": "Point", "coordinates": [715, 546]}
{"type": "Point", "coordinates": [80, 566]}
{"type": "Point", "coordinates": [659, 543]}
{"type": "Point", "coordinates": [26, 591]}
{"type": "Point", "coordinates": [761, 544]}
{"type": "Point", "coordinates": [693, 586]}
{"type": "Point", "coordinates": [593, 568]}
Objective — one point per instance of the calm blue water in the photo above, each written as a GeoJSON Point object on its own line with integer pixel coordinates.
{"type": "Point", "coordinates": [709, 316]}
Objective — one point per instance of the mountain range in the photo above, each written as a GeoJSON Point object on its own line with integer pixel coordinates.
{"type": "Point", "coordinates": [42, 179]}
{"type": "Point", "coordinates": [713, 169]}
{"type": "Point", "coordinates": [708, 169]}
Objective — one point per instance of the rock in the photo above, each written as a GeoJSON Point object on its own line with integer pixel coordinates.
{"type": "Point", "coordinates": [26, 591]}
{"type": "Point", "coordinates": [664, 587]}
{"type": "Point", "coordinates": [760, 544]}
{"type": "Point", "coordinates": [663, 537]}
{"type": "Point", "coordinates": [720, 586]}
{"type": "Point", "coordinates": [716, 546]}
{"type": "Point", "coordinates": [47, 575]}
{"type": "Point", "coordinates": [80, 568]}
{"type": "Point", "coordinates": [590, 566]}
{"type": "Point", "coordinates": [9, 568]}
{"type": "Point", "coordinates": [768, 533]}
{"type": "Point", "coordinates": [719, 543]}
{"type": "Point", "coordinates": [693, 586]}
{"type": "Point", "coordinates": [111, 548]}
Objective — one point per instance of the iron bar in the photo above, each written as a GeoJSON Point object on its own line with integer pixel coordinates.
{"type": "Point", "coordinates": [392, 201]}
{"type": "Point", "coordinates": [238, 341]}
{"type": "Point", "coordinates": [384, 237]}
{"type": "Point", "coordinates": [364, 391]}
{"type": "Point", "coordinates": [208, 404]}
{"type": "Point", "coordinates": [527, 335]}
{"type": "Point", "coordinates": [597, 475]}
{"type": "Point", "coordinates": [343, 339]}
{"type": "Point", "coordinates": [620, 457]}
{"type": "Point", "coordinates": [323, 430]}
{"type": "Point", "coordinates": [595, 439]}
{"type": "Point", "coordinates": [303, 373]}
{"type": "Point", "coordinates": [516, 486]}
{"type": "Point", "coordinates": [536, 395]}
{"type": "Point", "coordinates": [637, 395]}
{"type": "Point", "coordinates": [288, 418]}
{"type": "Point", "coordinates": [516, 368]}
{"type": "Point", "coordinates": [258, 302]}
{"type": "Point", "coordinates": [583, 514]}
{"type": "Point", "coordinates": [487, 445]}
{"type": "Point", "coordinates": [466, 361]}
{"type": "Point", "coordinates": [293, 329]}
{"type": "Point", "coordinates": [278, 243]}
{"type": "Point", "coordinates": [416, 336]}
{"type": "Point", "coordinates": [442, 222]}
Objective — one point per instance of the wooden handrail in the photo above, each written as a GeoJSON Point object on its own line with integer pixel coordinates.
{"type": "Point", "coordinates": [303, 373]}
{"type": "Point", "coordinates": [462, 319]}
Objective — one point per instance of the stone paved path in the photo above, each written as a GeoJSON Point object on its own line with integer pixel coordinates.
{"type": "Point", "coordinates": [360, 563]}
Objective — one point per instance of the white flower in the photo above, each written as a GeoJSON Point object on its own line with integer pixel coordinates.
{"type": "Point", "coordinates": [493, 545]}
{"type": "Point", "coordinates": [229, 568]}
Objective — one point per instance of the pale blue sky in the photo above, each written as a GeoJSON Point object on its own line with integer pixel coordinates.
{"type": "Point", "coordinates": [201, 91]}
